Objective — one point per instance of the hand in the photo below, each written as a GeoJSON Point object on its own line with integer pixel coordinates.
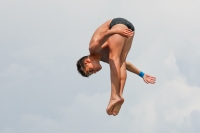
{"type": "Point", "coordinates": [125, 32]}
{"type": "Point", "coordinates": [149, 79]}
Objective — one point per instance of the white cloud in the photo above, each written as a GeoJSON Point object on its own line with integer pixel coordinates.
{"type": "Point", "coordinates": [170, 61]}
{"type": "Point", "coordinates": [36, 123]}
{"type": "Point", "coordinates": [43, 39]}
{"type": "Point", "coordinates": [16, 71]}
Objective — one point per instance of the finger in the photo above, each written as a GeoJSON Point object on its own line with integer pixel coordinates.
{"type": "Point", "coordinates": [125, 34]}
{"type": "Point", "coordinates": [130, 31]}
{"type": "Point", "coordinates": [130, 34]}
{"type": "Point", "coordinates": [152, 82]}
{"type": "Point", "coordinates": [145, 81]}
{"type": "Point", "coordinates": [153, 79]}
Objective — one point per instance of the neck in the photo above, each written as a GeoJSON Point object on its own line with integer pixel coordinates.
{"type": "Point", "coordinates": [95, 57]}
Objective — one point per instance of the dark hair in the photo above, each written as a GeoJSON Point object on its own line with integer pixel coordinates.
{"type": "Point", "coordinates": [81, 66]}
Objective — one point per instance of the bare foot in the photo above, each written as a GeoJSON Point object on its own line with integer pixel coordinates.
{"type": "Point", "coordinates": [117, 107]}
{"type": "Point", "coordinates": [112, 103]}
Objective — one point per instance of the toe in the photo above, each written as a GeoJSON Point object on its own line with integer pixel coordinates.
{"type": "Point", "coordinates": [109, 112]}
{"type": "Point", "coordinates": [114, 113]}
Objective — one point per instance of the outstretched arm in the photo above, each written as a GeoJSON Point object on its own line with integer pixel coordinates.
{"type": "Point", "coordinates": [131, 68]}
{"type": "Point", "coordinates": [147, 78]}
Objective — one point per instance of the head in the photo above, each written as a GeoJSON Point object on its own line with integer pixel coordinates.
{"type": "Point", "coordinates": [86, 66]}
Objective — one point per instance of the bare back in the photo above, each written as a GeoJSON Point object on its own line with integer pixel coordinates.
{"type": "Point", "coordinates": [100, 30]}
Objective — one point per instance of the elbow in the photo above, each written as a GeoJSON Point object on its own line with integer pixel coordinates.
{"type": "Point", "coordinates": [93, 48]}
{"type": "Point", "coordinates": [128, 65]}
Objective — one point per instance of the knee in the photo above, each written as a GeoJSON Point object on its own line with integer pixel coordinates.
{"type": "Point", "coordinates": [123, 78]}
{"type": "Point", "coordinates": [123, 63]}
{"type": "Point", "coordinates": [123, 58]}
{"type": "Point", "coordinates": [123, 75]}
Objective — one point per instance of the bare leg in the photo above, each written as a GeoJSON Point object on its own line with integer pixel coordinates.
{"type": "Point", "coordinates": [124, 54]}
{"type": "Point", "coordinates": [117, 42]}
{"type": "Point", "coordinates": [122, 83]}
{"type": "Point", "coordinates": [123, 73]}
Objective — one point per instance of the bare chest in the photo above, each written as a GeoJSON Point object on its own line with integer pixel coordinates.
{"type": "Point", "coordinates": [105, 54]}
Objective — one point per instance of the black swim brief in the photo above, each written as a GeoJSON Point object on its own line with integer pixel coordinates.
{"type": "Point", "coordinates": [122, 21]}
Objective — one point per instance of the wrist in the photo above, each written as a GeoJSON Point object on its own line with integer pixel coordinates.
{"type": "Point", "coordinates": [141, 74]}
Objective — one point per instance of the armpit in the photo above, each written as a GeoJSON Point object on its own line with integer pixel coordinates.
{"type": "Point", "coordinates": [105, 59]}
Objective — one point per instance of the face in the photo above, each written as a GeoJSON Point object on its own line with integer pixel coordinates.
{"type": "Point", "coordinates": [93, 67]}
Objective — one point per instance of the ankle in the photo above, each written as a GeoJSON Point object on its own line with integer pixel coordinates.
{"type": "Point", "coordinates": [115, 97]}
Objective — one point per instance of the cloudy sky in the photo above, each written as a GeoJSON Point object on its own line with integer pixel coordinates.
{"type": "Point", "coordinates": [41, 91]}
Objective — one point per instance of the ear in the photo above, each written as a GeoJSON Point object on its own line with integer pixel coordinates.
{"type": "Point", "coordinates": [87, 61]}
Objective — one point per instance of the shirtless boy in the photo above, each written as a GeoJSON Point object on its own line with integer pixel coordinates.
{"type": "Point", "coordinates": [111, 43]}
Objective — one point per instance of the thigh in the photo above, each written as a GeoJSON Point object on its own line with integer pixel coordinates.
{"type": "Point", "coordinates": [126, 48]}
{"type": "Point", "coordinates": [116, 45]}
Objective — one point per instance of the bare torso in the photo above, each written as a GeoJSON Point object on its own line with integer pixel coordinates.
{"type": "Point", "coordinates": [104, 52]}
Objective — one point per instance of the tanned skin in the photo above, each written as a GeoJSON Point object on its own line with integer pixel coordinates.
{"type": "Point", "coordinates": [112, 46]}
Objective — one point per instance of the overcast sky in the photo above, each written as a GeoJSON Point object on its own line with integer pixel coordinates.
{"type": "Point", "coordinates": [42, 92]}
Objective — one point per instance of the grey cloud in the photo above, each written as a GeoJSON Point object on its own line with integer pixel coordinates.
{"type": "Point", "coordinates": [188, 60]}
{"type": "Point", "coordinates": [41, 91]}
{"type": "Point", "coordinates": [191, 122]}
